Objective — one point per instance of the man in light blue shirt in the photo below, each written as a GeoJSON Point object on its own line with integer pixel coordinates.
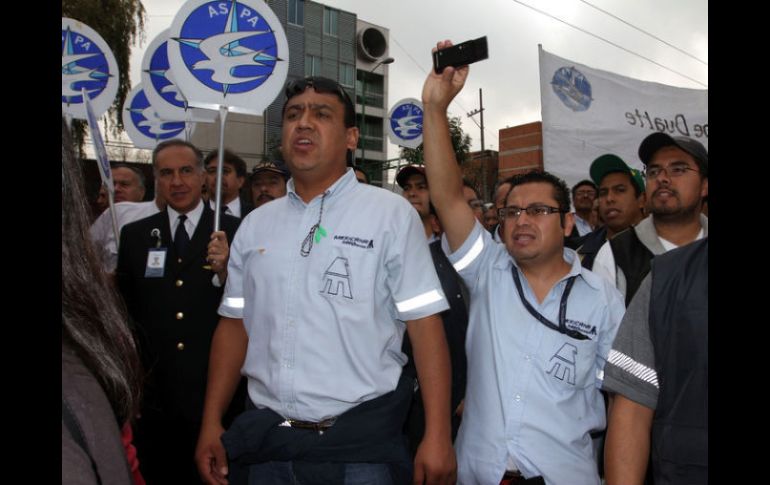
{"type": "Point", "coordinates": [321, 285]}
{"type": "Point", "coordinates": [540, 327]}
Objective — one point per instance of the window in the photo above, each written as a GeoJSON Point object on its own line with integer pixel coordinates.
{"type": "Point", "coordinates": [330, 22]}
{"type": "Point", "coordinates": [312, 65]}
{"type": "Point", "coordinates": [296, 12]}
{"type": "Point", "coordinates": [347, 74]}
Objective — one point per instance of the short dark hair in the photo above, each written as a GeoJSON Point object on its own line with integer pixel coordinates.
{"type": "Point", "coordinates": [176, 142]}
{"type": "Point", "coordinates": [139, 173]}
{"type": "Point", "coordinates": [366, 175]}
{"type": "Point", "coordinates": [582, 183]}
{"type": "Point", "coordinates": [467, 183]}
{"type": "Point", "coordinates": [230, 157]}
{"type": "Point", "coordinates": [322, 85]}
{"type": "Point", "coordinates": [560, 189]}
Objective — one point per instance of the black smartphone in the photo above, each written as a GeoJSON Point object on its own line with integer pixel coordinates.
{"type": "Point", "coordinates": [461, 54]}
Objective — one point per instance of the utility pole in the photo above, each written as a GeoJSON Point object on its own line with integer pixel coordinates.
{"type": "Point", "coordinates": [481, 112]}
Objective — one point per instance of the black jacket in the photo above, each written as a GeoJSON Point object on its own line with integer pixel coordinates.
{"type": "Point", "coordinates": [175, 315]}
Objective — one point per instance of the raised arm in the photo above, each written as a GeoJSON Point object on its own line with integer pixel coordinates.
{"type": "Point", "coordinates": [441, 168]}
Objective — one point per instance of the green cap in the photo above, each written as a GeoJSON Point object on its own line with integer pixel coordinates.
{"type": "Point", "coordinates": [609, 163]}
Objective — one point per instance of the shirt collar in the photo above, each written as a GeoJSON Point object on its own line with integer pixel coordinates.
{"type": "Point", "coordinates": [576, 269]}
{"type": "Point", "coordinates": [345, 183]}
{"type": "Point", "coordinates": [193, 216]}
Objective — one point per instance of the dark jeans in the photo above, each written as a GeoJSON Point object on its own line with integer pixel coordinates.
{"type": "Point", "coordinates": [282, 473]}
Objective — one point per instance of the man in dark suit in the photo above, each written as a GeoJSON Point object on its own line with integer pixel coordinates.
{"type": "Point", "coordinates": [172, 267]}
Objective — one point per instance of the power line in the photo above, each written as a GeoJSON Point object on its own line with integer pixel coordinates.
{"type": "Point", "coordinates": [610, 42]}
{"type": "Point", "coordinates": [645, 32]}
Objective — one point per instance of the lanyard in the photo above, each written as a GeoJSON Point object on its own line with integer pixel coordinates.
{"type": "Point", "coordinates": [562, 326]}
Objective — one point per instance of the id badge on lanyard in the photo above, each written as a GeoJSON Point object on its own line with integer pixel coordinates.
{"type": "Point", "coordinates": [156, 258]}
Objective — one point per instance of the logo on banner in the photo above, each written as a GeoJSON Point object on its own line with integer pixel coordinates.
{"type": "Point", "coordinates": [228, 48]}
{"type": "Point", "coordinates": [405, 126]}
{"type": "Point", "coordinates": [572, 88]}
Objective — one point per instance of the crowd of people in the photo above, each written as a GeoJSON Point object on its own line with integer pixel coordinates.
{"type": "Point", "coordinates": [331, 331]}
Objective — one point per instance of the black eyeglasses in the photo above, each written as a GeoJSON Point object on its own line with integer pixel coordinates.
{"type": "Point", "coordinates": [322, 85]}
{"type": "Point", "coordinates": [672, 171]}
{"type": "Point", "coordinates": [536, 210]}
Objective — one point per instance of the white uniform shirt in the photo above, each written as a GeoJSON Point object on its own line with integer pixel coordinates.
{"type": "Point", "coordinates": [103, 236]}
{"type": "Point", "coordinates": [533, 393]}
{"type": "Point", "coordinates": [325, 330]}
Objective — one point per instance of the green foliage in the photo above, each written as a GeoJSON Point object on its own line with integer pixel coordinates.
{"type": "Point", "coordinates": [121, 24]}
{"type": "Point", "coordinates": [461, 143]}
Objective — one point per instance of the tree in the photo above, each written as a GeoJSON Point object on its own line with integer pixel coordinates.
{"type": "Point", "coordinates": [461, 142]}
{"type": "Point", "coordinates": [120, 23]}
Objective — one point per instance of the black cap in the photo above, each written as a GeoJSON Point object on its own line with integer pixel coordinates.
{"type": "Point", "coordinates": [408, 171]}
{"type": "Point", "coordinates": [656, 141]}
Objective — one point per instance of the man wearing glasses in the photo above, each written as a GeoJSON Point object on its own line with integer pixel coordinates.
{"type": "Point", "coordinates": [321, 286]}
{"type": "Point", "coordinates": [540, 327]}
{"type": "Point", "coordinates": [677, 182]}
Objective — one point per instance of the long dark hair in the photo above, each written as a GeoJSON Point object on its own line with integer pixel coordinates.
{"type": "Point", "coordinates": [94, 322]}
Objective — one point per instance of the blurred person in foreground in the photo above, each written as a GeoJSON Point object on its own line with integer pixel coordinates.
{"type": "Point", "coordinates": [101, 374]}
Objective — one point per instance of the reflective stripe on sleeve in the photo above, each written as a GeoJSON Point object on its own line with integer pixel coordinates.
{"type": "Point", "coordinates": [234, 302]}
{"type": "Point", "coordinates": [633, 367]}
{"type": "Point", "coordinates": [418, 301]}
{"type": "Point", "coordinates": [473, 252]}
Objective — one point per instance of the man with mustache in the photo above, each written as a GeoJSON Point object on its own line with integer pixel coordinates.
{"type": "Point", "coordinates": [677, 182]}
{"type": "Point", "coordinates": [268, 182]}
{"type": "Point", "coordinates": [540, 327]}
{"type": "Point", "coordinates": [322, 284]}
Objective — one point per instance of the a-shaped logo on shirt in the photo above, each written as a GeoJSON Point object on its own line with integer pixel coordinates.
{"type": "Point", "coordinates": [336, 279]}
{"type": "Point", "coordinates": [563, 363]}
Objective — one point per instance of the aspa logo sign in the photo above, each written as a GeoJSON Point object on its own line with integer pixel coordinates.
{"type": "Point", "coordinates": [572, 88]}
{"type": "Point", "coordinates": [161, 88]}
{"type": "Point", "coordinates": [86, 63]}
{"type": "Point", "coordinates": [405, 126]}
{"type": "Point", "coordinates": [143, 124]}
{"type": "Point", "coordinates": [161, 78]}
{"type": "Point", "coordinates": [230, 54]}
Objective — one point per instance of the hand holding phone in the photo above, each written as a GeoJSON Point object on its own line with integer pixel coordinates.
{"type": "Point", "coordinates": [461, 54]}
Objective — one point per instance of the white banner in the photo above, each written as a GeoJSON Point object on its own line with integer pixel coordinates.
{"type": "Point", "coordinates": [587, 112]}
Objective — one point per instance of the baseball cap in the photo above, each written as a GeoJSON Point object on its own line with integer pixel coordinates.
{"type": "Point", "coordinates": [656, 141]}
{"type": "Point", "coordinates": [407, 172]}
{"type": "Point", "coordinates": [269, 166]}
{"type": "Point", "coordinates": [609, 163]}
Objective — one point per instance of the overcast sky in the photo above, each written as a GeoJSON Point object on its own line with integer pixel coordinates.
{"type": "Point", "coordinates": [510, 77]}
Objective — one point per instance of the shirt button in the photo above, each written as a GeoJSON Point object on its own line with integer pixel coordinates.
{"type": "Point", "coordinates": [180, 346]}
{"type": "Point", "coordinates": [526, 357]}
{"type": "Point", "coordinates": [179, 316]}
{"type": "Point", "coordinates": [179, 260]}
{"type": "Point", "coordinates": [459, 296]}
{"type": "Point", "coordinates": [518, 398]}
{"type": "Point", "coordinates": [179, 283]}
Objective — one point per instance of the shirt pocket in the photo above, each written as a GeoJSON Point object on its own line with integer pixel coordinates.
{"type": "Point", "coordinates": [347, 275]}
{"type": "Point", "coordinates": [568, 363]}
